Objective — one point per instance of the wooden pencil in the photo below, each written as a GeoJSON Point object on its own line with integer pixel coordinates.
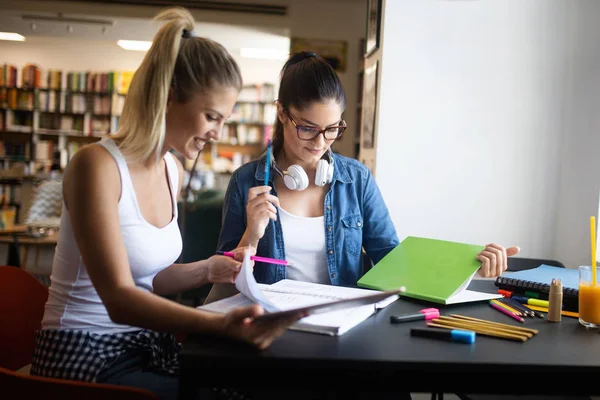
{"type": "Point", "coordinates": [508, 307]}
{"type": "Point", "coordinates": [563, 312]}
{"type": "Point", "coordinates": [519, 328]}
{"type": "Point", "coordinates": [482, 325]}
{"type": "Point", "coordinates": [481, 331]}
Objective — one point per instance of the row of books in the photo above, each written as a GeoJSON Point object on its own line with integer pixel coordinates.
{"type": "Point", "coordinates": [255, 113]}
{"type": "Point", "coordinates": [62, 102]}
{"type": "Point", "coordinates": [34, 77]}
{"type": "Point", "coordinates": [14, 151]}
{"type": "Point", "coordinates": [11, 193]}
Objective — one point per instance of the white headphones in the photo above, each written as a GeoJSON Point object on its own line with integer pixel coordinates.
{"type": "Point", "coordinates": [295, 178]}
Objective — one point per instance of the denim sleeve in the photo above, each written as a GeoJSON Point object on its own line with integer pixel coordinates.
{"type": "Point", "coordinates": [379, 233]}
{"type": "Point", "coordinates": [233, 223]}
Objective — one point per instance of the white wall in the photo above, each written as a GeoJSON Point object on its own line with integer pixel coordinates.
{"type": "Point", "coordinates": [580, 170]}
{"type": "Point", "coordinates": [471, 120]}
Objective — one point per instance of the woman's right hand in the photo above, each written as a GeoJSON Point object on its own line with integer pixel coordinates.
{"type": "Point", "coordinates": [240, 324]}
{"type": "Point", "coordinates": [259, 210]}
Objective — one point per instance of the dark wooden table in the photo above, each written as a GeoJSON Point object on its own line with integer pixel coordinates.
{"type": "Point", "coordinates": [564, 358]}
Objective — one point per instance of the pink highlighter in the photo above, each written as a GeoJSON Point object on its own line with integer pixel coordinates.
{"type": "Point", "coordinates": [425, 314]}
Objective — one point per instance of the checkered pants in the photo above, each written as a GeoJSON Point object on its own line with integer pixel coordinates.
{"type": "Point", "coordinates": [80, 355]}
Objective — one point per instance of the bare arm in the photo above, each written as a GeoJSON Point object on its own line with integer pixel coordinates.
{"type": "Point", "coordinates": [181, 277]}
{"type": "Point", "coordinates": [92, 182]}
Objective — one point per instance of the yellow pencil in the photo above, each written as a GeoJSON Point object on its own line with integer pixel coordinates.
{"type": "Point", "coordinates": [545, 309]}
{"type": "Point", "coordinates": [593, 240]}
{"type": "Point", "coordinates": [507, 307]}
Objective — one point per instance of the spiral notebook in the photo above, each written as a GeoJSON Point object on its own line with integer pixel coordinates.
{"type": "Point", "coordinates": [539, 280]}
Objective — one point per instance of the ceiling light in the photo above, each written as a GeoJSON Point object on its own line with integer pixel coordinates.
{"type": "Point", "coordinates": [135, 45]}
{"type": "Point", "coordinates": [12, 36]}
{"type": "Point", "coordinates": [264, 54]}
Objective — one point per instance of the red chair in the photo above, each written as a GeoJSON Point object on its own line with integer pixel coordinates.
{"type": "Point", "coordinates": [21, 386]}
{"type": "Point", "coordinates": [22, 300]}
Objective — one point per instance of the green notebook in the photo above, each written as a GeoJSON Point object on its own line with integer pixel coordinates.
{"type": "Point", "coordinates": [434, 270]}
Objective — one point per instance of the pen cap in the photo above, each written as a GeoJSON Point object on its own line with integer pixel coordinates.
{"type": "Point", "coordinates": [463, 336]}
{"type": "Point", "coordinates": [432, 314]}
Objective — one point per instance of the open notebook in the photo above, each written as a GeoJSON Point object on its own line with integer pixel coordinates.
{"type": "Point", "coordinates": [289, 294]}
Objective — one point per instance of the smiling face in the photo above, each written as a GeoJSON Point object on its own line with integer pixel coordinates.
{"type": "Point", "coordinates": [190, 124]}
{"type": "Point", "coordinates": [319, 115]}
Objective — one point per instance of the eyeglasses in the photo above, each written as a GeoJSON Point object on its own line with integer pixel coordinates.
{"type": "Point", "coordinates": [311, 132]}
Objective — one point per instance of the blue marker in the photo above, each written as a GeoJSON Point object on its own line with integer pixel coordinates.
{"type": "Point", "coordinates": [268, 163]}
{"type": "Point", "coordinates": [454, 335]}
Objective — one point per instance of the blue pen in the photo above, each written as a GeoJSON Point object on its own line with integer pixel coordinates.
{"type": "Point", "coordinates": [268, 163]}
{"type": "Point", "coordinates": [454, 335]}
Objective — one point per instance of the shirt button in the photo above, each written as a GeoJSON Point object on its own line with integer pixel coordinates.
{"type": "Point", "coordinates": [330, 251]}
{"type": "Point", "coordinates": [358, 224]}
{"type": "Point", "coordinates": [329, 207]}
{"type": "Point", "coordinates": [329, 229]}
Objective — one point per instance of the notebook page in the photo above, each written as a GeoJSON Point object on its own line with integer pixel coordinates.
{"type": "Point", "coordinates": [324, 292]}
{"type": "Point", "coordinates": [467, 296]}
{"type": "Point", "coordinates": [247, 285]}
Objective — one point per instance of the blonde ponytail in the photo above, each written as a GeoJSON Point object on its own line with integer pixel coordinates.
{"type": "Point", "coordinates": [186, 65]}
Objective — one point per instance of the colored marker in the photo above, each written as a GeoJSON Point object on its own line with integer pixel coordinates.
{"type": "Point", "coordinates": [454, 335]}
{"type": "Point", "coordinates": [426, 314]}
{"type": "Point", "coordinates": [533, 302]}
{"type": "Point", "coordinates": [257, 258]}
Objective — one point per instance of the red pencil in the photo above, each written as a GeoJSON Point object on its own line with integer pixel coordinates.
{"type": "Point", "coordinates": [505, 311]}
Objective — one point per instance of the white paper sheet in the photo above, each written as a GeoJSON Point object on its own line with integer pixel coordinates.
{"type": "Point", "coordinates": [248, 286]}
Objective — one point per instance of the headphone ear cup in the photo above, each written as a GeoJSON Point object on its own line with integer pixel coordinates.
{"type": "Point", "coordinates": [329, 172]}
{"type": "Point", "coordinates": [296, 178]}
{"type": "Point", "coordinates": [321, 173]}
{"type": "Point", "coordinates": [324, 173]}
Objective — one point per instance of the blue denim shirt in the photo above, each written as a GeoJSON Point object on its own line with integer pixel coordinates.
{"type": "Point", "coordinates": [355, 217]}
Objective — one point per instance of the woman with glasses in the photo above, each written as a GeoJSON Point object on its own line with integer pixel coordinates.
{"type": "Point", "coordinates": [315, 209]}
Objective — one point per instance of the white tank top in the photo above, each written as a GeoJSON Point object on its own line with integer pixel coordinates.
{"type": "Point", "coordinates": [73, 303]}
{"type": "Point", "coordinates": [304, 239]}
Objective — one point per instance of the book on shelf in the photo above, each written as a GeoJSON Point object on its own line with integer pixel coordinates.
{"type": "Point", "coordinates": [433, 270]}
{"type": "Point", "coordinates": [284, 295]}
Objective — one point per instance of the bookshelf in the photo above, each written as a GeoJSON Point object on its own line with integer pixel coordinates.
{"type": "Point", "coordinates": [46, 115]}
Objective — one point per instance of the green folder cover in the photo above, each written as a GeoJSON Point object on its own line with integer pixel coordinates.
{"type": "Point", "coordinates": [429, 269]}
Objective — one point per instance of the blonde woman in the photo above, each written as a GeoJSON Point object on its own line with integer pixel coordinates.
{"type": "Point", "coordinates": [106, 319]}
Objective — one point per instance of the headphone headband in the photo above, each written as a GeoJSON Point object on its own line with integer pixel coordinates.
{"type": "Point", "coordinates": [295, 178]}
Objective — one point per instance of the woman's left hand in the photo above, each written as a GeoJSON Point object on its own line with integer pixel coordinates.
{"type": "Point", "coordinates": [494, 259]}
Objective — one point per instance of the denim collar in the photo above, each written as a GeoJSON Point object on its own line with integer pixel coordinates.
{"type": "Point", "coordinates": [340, 171]}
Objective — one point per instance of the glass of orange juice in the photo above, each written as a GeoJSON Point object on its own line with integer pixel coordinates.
{"type": "Point", "coordinates": [589, 298]}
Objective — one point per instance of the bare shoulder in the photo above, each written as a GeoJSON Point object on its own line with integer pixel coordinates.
{"type": "Point", "coordinates": [91, 167]}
